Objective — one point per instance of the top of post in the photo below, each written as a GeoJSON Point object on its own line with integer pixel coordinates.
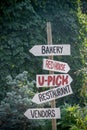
{"type": "Point", "coordinates": [49, 33]}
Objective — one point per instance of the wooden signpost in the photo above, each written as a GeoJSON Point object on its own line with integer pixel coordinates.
{"type": "Point", "coordinates": [59, 84]}
{"type": "Point", "coordinates": [49, 40]}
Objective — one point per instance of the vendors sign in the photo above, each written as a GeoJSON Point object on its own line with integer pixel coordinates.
{"type": "Point", "coordinates": [43, 113]}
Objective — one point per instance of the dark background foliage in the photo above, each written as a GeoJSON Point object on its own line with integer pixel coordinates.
{"type": "Point", "coordinates": [23, 25]}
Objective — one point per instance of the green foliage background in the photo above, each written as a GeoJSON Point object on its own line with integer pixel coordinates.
{"type": "Point", "coordinates": [23, 25]}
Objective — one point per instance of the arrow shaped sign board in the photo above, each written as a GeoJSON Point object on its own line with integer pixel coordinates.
{"type": "Point", "coordinates": [49, 80]}
{"type": "Point", "coordinates": [56, 66]}
{"type": "Point", "coordinates": [43, 113]}
{"type": "Point", "coordinates": [47, 50]}
{"type": "Point", "coordinates": [52, 94]}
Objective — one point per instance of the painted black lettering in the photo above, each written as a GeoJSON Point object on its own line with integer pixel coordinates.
{"type": "Point", "coordinates": [42, 113]}
{"type": "Point", "coordinates": [48, 95]}
{"type": "Point", "coordinates": [41, 97]}
{"type": "Point", "coordinates": [51, 50]}
{"type": "Point", "coordinates": [64, 90]}
{"type": "Point", "coordinates": [54, 49]}
{"type": "Point", "coordinates": [54, 94]}
{"type": "Point", "coordinates": [34, 113]}
{"type": "Point", "coordinates": [51, 94]}
{"type": "Point", "coordinates": [47, 114]}
{"type": "Point", "coordinates": [53, 113]}
{"type": "Point", "coordinates": [59, 49]}
{"type": "Point", "coordinates": [47, 50]}
{"type": "Point", "coordinates": [68, 88]}
{"type": "Point", "coordinates": [58, 92]}
{"type": "Point", "coordinates": [43, 49]}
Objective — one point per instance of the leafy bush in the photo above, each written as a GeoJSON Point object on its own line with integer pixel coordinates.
{"type": "Point", "coordinates": [74, 117]}
{"type": "Point", "coordinates": [16, 102]}
{"type": "Point", "coordinates": [23, 25]}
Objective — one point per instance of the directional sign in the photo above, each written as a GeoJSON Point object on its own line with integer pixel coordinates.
{"type": "Point", "coordinates": [56, 66]}
{"type": "Point", "coordinates": [52, 94]}
{"type": "Point", "coordinates": [49, 80]}
{"type": "Point", "coordinates": [46, 50]}
{"type": "Point", "coordinates": [43, 113]}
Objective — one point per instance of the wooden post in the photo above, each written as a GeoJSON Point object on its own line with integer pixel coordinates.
{"type": "Point", "coordinates": [49, 40]}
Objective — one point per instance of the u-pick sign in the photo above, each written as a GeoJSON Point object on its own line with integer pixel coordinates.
{"type": "Point", "coordinates": [56, 66]}
{"type": "Point", "coordinates": [47, 50]}
{"type": "Point", "coordinates": [52, 94]}
{"type": "Point", "coordinates": [51, 80]}
{"type": "Point", "coordinates": [43, 113]}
